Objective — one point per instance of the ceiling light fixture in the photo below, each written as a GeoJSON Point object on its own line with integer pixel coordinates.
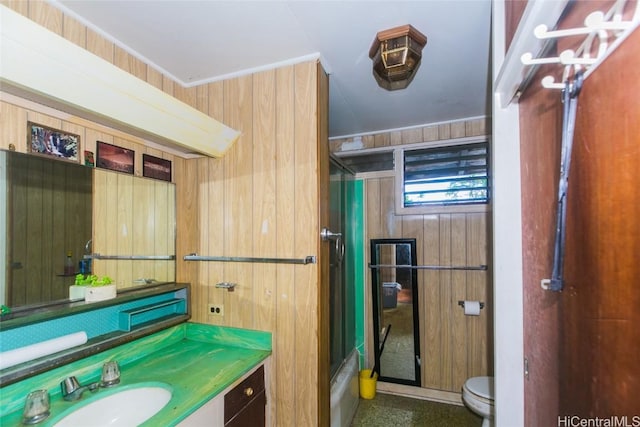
{"type": "Point", "coordinates": [396, 55]}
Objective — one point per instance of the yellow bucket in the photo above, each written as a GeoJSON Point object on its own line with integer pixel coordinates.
{"type": "Point", "coordinates": [368, 384]}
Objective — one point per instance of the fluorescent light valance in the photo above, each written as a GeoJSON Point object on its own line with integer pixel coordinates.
{"type": "Point", "coordinates": [39, 65]}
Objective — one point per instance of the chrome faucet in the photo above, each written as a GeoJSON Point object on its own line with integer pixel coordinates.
{"type": "Point", "coordinates": [72, 390]}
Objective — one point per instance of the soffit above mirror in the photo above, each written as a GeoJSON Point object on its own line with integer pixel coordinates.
{"type": "Point", "coordinates": [79, 82]}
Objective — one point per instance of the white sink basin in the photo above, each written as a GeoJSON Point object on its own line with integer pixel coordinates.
{"type": "Point", "coordinates": [129, 406]}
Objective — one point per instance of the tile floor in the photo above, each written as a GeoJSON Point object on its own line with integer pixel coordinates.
{"type": "Point", "coordinates": [386, 410]}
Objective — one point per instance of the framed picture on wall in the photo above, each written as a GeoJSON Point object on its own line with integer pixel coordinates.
{"type": "Point", "coordinates": [53, 142]}
{"type": "Point", "coordinates": [155, 167]}
{"type": "Point", "coordinates": [114, 158]}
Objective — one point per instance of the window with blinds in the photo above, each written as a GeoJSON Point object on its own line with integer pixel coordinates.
{"type": "Point", "coordinates": [452, 175]}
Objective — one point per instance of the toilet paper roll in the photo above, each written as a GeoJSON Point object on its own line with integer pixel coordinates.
{"type": "Point", "coordinates": [44, 348]}
{"type": "Point", "coordinates": [472, 308]}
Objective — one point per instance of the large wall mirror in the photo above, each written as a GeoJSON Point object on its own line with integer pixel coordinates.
{"type": "Point", "coordinates": [395, 310]}
{"type": "Point", "coordinates": [52, 208]}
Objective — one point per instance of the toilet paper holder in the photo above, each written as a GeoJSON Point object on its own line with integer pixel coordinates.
{"type": "Point", "coordinates": [461, 304]}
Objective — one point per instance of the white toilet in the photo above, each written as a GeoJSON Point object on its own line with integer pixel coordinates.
{"type": "Point", "coordinates": [477, 394]}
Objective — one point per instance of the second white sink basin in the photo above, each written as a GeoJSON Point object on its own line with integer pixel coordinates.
{"type": "Point", "coordinates": [130, 406]}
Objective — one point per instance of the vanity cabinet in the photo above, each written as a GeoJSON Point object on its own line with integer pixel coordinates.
{"type": "Point", "coordinates": [244, 405]}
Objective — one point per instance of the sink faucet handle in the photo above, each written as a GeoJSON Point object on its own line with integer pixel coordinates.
{"type": "Point", "coordinates": [36, 407]}
{"type": "Point", "coordinates": [69, 385]}
{"type": "Point", "coordinates": [110, 374]}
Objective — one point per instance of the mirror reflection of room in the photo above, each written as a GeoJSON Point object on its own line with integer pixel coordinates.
{"type": "Point", "coordinates": [48, 223]}
{"type": "Point", "coordinates": [395, 302]}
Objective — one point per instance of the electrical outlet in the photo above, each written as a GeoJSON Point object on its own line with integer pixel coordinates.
{"type": "Point", "coordinates": [216, 309]}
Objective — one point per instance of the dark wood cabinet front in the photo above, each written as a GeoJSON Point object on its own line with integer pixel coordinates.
{"type": "Point", "coordinates": [244, 406]}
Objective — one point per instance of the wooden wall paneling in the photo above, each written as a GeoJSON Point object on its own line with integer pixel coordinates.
{"type": "Point", "coordinates": [54, 209]}
{"type": "Point", "coordinates": [100, 215]}
{"type": "Point", "coordinates": [164, 236]}
{"type": "Point", "coordinates": [188, 95]}
{"type": "Point", "coordinates": [458, 323]}
{"type": "Point", "coordinates": [430, 133]}
{"type": "Point", "coordinates": [170, 238]}
{"type": "Point", "coordinates": [216, 235]}
{"type": "Point", "coordinates": [100, 46]}
{"type": "Point", "coordinates": [238, 208]}
{"type": "Point", "coordinates": [323, 280]}
{"type": "Point", "coordinates": [478, 327]}
{"type": "Point", "coordinates": [264, 198]}
{"type": "Point", "coordinates": [410, 136]}
{"type": "Point", "coordinates": [46, 15]}
{"type": "Point", "coordinates": [444, 131]}
{"type": "Point", "coordinates": [431, 339]}
{"type": "Point", "coordinates": [124, 231]}
{"type": "Point", "coordinates": [284, 345]}
{"type": "Point", "coordinates": [392, 224]}
{"type": "Point", "coordinates": [142, 228]}
{"type": "Point", "coordinates": [213, 199]}
{"type": "Point", "coordinates": [202, 286]}
{"type": "Point", "coordinates": [458, 130]}
{"type": "Point", "coordinates": [34, 228]}
{"type": "Point", "coordinates": [43, 119]}
{"type": "Point", "coordinates": [129, 63]}
{"type": "Point", "coordinates": [154, 77]}
{"type": "Point", "coordinates": [446, 296]}
{"type": "Point", "coordinates": [374, 210]}
{"type": "Point", "coordinates": [18, 247]}
{"type": "Point", "coordinates": [306, 243]}
{"type": "Point", "coordinates": [74, 31]}
{"type": "Point", "coordinates": [19, 6]}
{"type": "Point", "coordinates": [187, 214]}
{"type": "Point", "coordinates": [13, 127]}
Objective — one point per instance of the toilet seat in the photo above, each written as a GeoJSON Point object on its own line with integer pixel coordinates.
{"type": "Point", "coordinates": [481, 388]}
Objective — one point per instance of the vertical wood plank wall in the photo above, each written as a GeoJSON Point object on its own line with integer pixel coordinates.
{"type": "Point", "coordinates": [261, 199]}
{"type": "Point", "coordinates": [453, 346]}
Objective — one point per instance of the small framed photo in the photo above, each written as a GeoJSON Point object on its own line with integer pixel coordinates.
{"type": "Point", "coordinates": [155, 167]}
{"type": "Point", "coordinates": [114, 158]}
{"type": "Point", "coordinates": [89, 159]}
{"type": "Point", "coordinates": [53, 142]}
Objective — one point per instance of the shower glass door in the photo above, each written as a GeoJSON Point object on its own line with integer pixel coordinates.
{"type": "Point", "coordinates": [395, 310]}
{"type": "Point", "coordinates": [342, 321]}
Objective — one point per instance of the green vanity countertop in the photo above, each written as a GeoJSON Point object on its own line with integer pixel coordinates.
{"type": "Point", "coordinates": [197, 361]}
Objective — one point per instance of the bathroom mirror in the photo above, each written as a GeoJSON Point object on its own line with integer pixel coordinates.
{"type": "Point", "coordinates": [49, 209]}
{"type": "Point", "coordinates": [395, 310]}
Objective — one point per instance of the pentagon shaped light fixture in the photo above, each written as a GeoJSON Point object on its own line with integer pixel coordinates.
{"type": "Point", "coordinates": [396, 55]}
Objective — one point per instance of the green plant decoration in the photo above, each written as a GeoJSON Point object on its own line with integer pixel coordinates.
{"type": "Point", "coordinates": [92, 280]}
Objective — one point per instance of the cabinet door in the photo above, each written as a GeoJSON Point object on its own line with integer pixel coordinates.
{"type": "Point", "coordinates": [245, 404]}
{"type": "Point", "coordinates": [252, 415]}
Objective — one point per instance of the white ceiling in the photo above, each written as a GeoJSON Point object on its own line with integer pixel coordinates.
{"type": "Point", "coordinates": [201, 41]}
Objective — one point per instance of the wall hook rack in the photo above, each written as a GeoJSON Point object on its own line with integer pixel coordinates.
{"type": "Point", "coordinates": [599, 28]}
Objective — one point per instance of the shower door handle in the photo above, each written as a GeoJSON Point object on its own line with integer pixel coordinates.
{"type": "Point", "coordinates": [328, 235]}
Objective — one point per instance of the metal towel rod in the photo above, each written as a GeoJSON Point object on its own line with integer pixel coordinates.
{"type": "Point", "coordinates": [430, 267]}
{"type": "Point", "coordinates": [304, 261]}
{"type": "Point", "coordinates": [132, 257]}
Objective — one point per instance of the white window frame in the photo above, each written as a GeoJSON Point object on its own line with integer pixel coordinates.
{"type": "Point", "coordinates": [398, 154]}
